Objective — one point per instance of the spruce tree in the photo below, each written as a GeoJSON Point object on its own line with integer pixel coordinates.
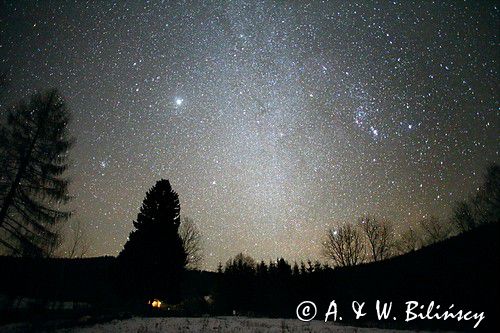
{"type": "Point", "coordinates": [154, 253]}
{"type": "Point", "coordinates": [34, 144]}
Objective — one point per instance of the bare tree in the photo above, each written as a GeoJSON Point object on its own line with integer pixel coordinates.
{"type": "Point", "coordinates": [73, 241]}
{"type": "Point", "coordinates": [380, 237]}
{"type": "Point", "coordinates": [434, 230]}
{"type": "Point", "coordinates": [463, 218]}
{"type": "Point", "coordinates": [345, 245]}
{"type": "Point", "coordinates": [483, 207]}
{"type": "Point", "coordinates": [191, 241]}
{"type": "Point", "coordinates": [53, 248]}
{"type": "Point", "coordinates": [78, 242]}
{"type": "Point", "coordinates": [409, 240]}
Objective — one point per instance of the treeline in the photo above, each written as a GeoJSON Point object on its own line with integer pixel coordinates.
{"type": "Point", "coordinates": [375, 239]}
{"type": "Point", "coordinates": [371, 239]}
{"type": "Point", "coordinates": [371, 259]}
{"type": "Point", "coordinates": [462, 270]}
{"type": "Point", "coordinates": [247, 287]}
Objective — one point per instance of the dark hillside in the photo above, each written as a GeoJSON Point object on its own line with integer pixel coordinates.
{"type": "Point", "coordinates": [463, 270]}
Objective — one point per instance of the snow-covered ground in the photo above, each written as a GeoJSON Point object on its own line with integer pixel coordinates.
{"type": "Point", "coordinates": [216, 324]}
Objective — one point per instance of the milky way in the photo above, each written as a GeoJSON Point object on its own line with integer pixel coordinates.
{"type": "Point", "coordinates": [271, 119]}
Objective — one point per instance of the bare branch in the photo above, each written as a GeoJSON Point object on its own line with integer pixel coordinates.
{"type": "Point", "coordinates": [409, 240]}
{"type": "Point", "coordinates": [380, 237]}
{"type": "Point", "coordinates": [191, 241]}
{"type": "Point", "coordinates": [344, 245]}
{"type": "Point", "coordinates": [434, 229]}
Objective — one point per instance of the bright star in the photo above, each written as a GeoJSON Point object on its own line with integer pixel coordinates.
{"type": "Point", "coordinates": [179, 101]}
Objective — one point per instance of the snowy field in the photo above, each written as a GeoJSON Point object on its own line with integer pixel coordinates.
{"type": "Point", "coordinates": [217, 324]}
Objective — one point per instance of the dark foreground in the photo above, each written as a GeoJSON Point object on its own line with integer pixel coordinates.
{"type": "Point", "coordinates": [462, 271]}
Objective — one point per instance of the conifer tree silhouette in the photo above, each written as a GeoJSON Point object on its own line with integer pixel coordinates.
{"type": "Point", "coordinates": [154, 253]}
{"type": "Point", "coordinates": [34, 143]}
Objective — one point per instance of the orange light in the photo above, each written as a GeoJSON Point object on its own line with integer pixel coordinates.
{"type": "Point", "coordinates": [155, 303]}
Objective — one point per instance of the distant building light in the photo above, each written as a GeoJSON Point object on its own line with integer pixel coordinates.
{"type": "Point", "coordinates": [156, 303]}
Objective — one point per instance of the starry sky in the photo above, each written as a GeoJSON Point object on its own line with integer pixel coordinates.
{"type": "Point", "coordinates": [271, 119]}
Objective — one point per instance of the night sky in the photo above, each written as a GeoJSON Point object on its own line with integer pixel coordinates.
{"type": "Point", "coordinates": [271, 119]}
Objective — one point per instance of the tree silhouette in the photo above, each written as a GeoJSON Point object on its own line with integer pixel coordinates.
{"type": "Point", "coordinates": [410, 239]}
{"type": "Point", "coordinates": [33, 150]}
{"type": "Point", "coordinates": [191, 242]}
{"type": "Point", "coordinates": [434, 229]}
{"type": "Point", "coordinates": [380, 237]}
{"type": "Point", "coordinates": [484, 207]}
{"type": "Point", "coordinates": [154, 253]}
{"type": "Point", "coordinates": [75, 240]}
{"type": "Point", "coordinates": [490, 195]}
{"type": "Point", "coordinates": [344, 245]}
{"type": "Point", "coordinates": [283, 268]}
{"type": "Point", "coordinates": [239, 281]}
{"type": "Point", "coordinates": [463, 217]}
{"type": "Point", "coordinates": [261, 270]}
{"type": "Point", "coordinates": [303, 269]}
{"type": "Point", "coordinates": [241, 263]}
